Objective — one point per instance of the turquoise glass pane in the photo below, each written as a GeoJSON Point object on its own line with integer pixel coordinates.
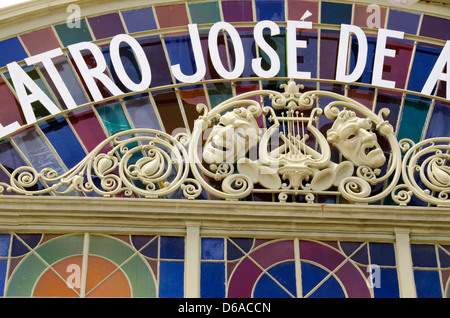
{"type": "Point", "coordinates": [428, 284]}
{"type": "Point", "coordinates": [336, 13]}
{"type": "Point", "coordinates": [62, 138]}
{"type": "Point", "coordinates": [139, 20]}
{"type": "Point", "coordinates": [11, 50]}
{"type": "Point", "coordinates": [114, 118]}
{"type": "Point", "coordinates": [219, 94]}
{"type": "Point", "coordinates": [212, 249]}
{"type": "Point", "coordinates": [171, 279]}
{"type": "Point", "coordinates": [413, 119]}
{"type": "Point", "coordinates": [270, 10]}
{"type": "Point", "coordinates": [204, 12]}
{"type": "Point", "coordinates": [212, 280]}
{"type": "Point", "coordinates": [77, 34]}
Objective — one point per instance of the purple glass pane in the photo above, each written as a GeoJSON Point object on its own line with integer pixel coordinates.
{"type": "Point", "coordinates": [403, 21]}
{"type": "Point", "coordinates": [106, 26]}
{"type": "Point", "coordinates": [235, 11]}
{"type": "Point", "coordinates": [435, 27]}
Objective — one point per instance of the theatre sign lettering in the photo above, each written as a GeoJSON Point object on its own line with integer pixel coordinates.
{"type": "Point", "coordinates": [286, 144]}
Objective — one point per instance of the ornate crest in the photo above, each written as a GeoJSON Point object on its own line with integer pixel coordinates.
{"type": "Point", "coordinates": [289, 145]}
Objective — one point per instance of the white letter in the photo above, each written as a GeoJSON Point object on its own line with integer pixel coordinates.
{"type": "Point", "coordinates": [74, 279]}
{"type": "Point", "coordinates": [4, 131]}
{"type": "Point", "coordinates": [238, 50]}
{"type": "Point", "coordinates": [21, 82]}
{"type": "Point", "coordinates": [373, 21]}
{"type": "Point", "coordinates": [292, 45]}
{"type": "Point", "coordinates": [437, 73]}
{"type": "Point", "coordinates": [198, 57]}
{"type": "Point", "coordinates": [96, 72]}
{"type": "Point", "coordinates": [380, 52]}
{"type": "Point", "coordinates": [273, 56]}
{"type": "Point", "coordinates": [46, 60]}
{"type": "Point", "coordinates": [146, 74]}
{"type": "Point", "coordinates": [76, 15]}
{"type": "Point", "coordinates": [341, 68]}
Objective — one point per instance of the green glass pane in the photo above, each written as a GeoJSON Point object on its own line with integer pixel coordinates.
{"type": "Point", "coordinates": [204, 12]}
{"type": "Point", "coordinates": [219, 94]}
{"type": "Point", "coordinates": [114, 118]}
{"type": "Point", "coordinates": [24, 278]}
{"type": "Point", "coordinates": [78, 33]}
{"type": "Point", "coordinates": [115, 251]}
{"type": "Point", "coordinates": [57, 249]}
{"type": "Point", "coordinates": [413, 119]}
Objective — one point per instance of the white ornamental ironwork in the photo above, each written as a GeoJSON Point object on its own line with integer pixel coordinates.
{"type": "Point", "coordinates": [293, 147]}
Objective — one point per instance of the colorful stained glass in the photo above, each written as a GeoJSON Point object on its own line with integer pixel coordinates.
{"type": "Point", "coordinates": [204, 12]}
{"type": "Point", "coordinates": [70, 35]}
{"type": "Point", "coordinates": [297, 8]}
{"type": "Point", "coordinates": [435, 27]}
{"type": "Point", "coordinates": [407, 22]}
{"type": "Point", "coordinates": [9, 106]}
{"type": "Point", "coordinates": [270, 10]}
{"type": "Point", "coordinates": [139, 20]}
{"type": "Point", "coordinates": [367, 16]}
{"type": "Point", "coordinates": [336, 13]}
{"type": "Point", "coordinates": [64, 141]}
{"type": "Point", "coordinates": [113, 118]}
{"type": "Point", "coordinates": [40, 41]}
{"type": "Point", "coordinates": [413, 118]}
{"type": "Point", "coordinates": [106, 26]}
{"type": "Point", "coordinates": [435, 127]}
{"type": "Point", "coordinates": [237, 10]}
{"type": "Point", "coordinates": [11, 50]}
{"type": "Point", "coordinates": [172, 15]}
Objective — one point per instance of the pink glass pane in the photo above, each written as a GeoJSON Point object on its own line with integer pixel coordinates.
{"type": "Point", "coordinates": [172, 16]}
{"type": "Point", "coordinates": [40, 41]}
{"type": "Point", "coordinates": [88, 129]}
{"type": "Point", "coordinates": [296, 10]}
{"type": "Point", "coordinates": [363, 17]}
{"type": "Point", "coordinates": [396, 68]}
{"type": "Point", "coordinates": [10, 110]}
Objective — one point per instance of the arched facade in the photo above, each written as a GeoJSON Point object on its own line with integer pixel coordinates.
{"type": "Point", "coordinates": [231, 148]}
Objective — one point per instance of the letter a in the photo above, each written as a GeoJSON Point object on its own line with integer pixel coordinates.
{"type": "Point", "coordinates": [438, 72]}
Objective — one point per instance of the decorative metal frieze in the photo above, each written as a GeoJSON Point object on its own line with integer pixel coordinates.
{"type": "Point", "coordinates": [291, 145]}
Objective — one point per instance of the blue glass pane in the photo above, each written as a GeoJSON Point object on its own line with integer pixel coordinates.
{"type": "Point", "coordinates": [20, 248]}
{"type": "Point", "coordinates": [427, 284]}
{"type": "Point", "coordinates": [336, 13]}
{"type": "Point", "coordinates": [139, 20]}
{"type": "Point", "coordinates": [141, 112]}
{"type": "Point", "coordinates": [9, 157]}
{"type": "Point", "coordinates": [3, 268]}
{"type": "Point", "coordinates": [403, 21]}
{"type": "Point", "coordinates": [180, 52]}
{"type": "Point", "coordinates": [360, 256]}
{"type": "Point", "coordinates": [270, 10]}
{"type": "Point", "coordinates": [284, 274]}
{"type": "Point", "coordinates": [388, 284]}
{"type": "Point", "coordinates": [172, 247]}
{"type": "Point", "coordinates": [423, 255]}
{"type": "Point", "coordinates": [212, 248]}
{"type": "Point", "coordinates": [171, 279]}
{"type": "Point", "coordinates": [382, 254]}
{"type": "Point", "coordinates": [424, 60]}
{"type": "Point", "coordinates": [212, 281]}
{"type": "Point", "coordinates": [11, 50]}
{"type": "Point", "coordinates": [66, 144]}
{"type": "Point", "coordinates": [5, 240]}
{"type": "Point", "coordinates": [438, 126]}
{"type": "Point", "coordinates": [366, 76]}
{"type": "Point", "coordinates": [312, 275]}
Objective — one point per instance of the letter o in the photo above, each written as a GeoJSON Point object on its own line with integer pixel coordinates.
{"type": "Point", "coordinates": [140, 57]}
{"type": "Point", "coordinates": [238, 50]}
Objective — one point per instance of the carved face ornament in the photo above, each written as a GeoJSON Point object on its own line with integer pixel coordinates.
{"type": "Point", "coordinates": [231, 138]}
{"type": "Point", "coordinates": [354, 138]}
